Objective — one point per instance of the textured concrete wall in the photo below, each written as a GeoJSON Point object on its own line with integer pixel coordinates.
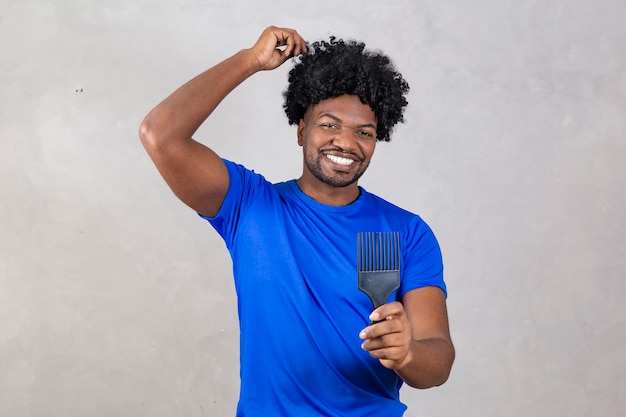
{"type": "Point", "coordinates": [116, 300]}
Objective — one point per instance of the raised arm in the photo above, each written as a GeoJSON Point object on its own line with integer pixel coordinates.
{"type": "Point", "coordinates": [193, 171]}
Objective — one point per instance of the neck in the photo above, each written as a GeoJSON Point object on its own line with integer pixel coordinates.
{"type": "Point", "coordinates": [328, 194]}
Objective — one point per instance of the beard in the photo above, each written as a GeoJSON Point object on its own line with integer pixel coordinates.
{"type": "Point", "coordinates": [313, 162]}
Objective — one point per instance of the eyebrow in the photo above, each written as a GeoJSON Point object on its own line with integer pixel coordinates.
{"type": "Point", "coordinates": [337, 119]}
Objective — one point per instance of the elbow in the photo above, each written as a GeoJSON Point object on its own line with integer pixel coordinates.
{"type": "Point", "coordinates": [444, 368]}
{"type": "Point", "coordinates": [149, 135]}
{"type": "Point", "coordinates": [431, 381]}
{"type": "Point", "coordinates": [436, 372]}
{"type": "Point", "coordinates": [440, 379]}
{"type": "Point", "coordinates": [158, 131]}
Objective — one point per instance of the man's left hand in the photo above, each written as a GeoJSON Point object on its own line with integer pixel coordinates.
{"type": "Point", "coordinates": [389, 338]}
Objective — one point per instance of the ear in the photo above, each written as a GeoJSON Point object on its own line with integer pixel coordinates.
{"type": "Point", "coordinates": [301, 128]}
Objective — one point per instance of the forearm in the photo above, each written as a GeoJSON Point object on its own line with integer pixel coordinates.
{"type": "Point", "coordinates": [181, 114]}
{"type": "Point", "coordinates": [428, 363]}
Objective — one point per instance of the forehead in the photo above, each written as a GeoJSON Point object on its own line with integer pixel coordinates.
{"type": "Point", "coordinates": [346, 108]}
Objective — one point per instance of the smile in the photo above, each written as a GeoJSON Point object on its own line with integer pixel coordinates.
{"type": "Point", "coordinates": [339, 160]}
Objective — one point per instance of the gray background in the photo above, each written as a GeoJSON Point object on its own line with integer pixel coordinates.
{"type": "Point", "coordinates": [116, 300]}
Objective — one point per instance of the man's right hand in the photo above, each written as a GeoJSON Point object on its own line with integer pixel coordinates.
{"type": "Point", "coordinates": [276, 45]}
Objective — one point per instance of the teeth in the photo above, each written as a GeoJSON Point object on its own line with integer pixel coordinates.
{"type": "Point", "coordinates": [339, 160]}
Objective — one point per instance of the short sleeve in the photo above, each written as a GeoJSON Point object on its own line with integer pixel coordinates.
{"type": "Point", "coordinates": [422, 259]}
{"type": "Point", "coordinates": [244, 185]}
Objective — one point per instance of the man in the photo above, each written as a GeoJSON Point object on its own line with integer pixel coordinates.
{"type": "Point", "coordinates": [307, 346]}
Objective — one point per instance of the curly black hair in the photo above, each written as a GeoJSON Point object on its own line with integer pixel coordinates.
{"type": "Point", "coordinates": [337, 67]}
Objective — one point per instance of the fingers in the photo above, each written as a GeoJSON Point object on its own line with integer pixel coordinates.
{"type": "Point", "coordinates": [276, 45]}
{"type": "Point", "coordinates": [388, 340]}
{"type": "Point", "coordinates": [291, 39]}
{"type": "Point", "coordinates": [387, 311]}
{"type": "Point", "coordinates": [384, 333]}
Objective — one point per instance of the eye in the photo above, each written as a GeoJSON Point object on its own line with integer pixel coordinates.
{"type": "Point", "coordinates": [365, 134]}
{"type": "Point", "coordinates": [329, 126]}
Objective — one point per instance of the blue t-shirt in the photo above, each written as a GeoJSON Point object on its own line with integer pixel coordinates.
{"type": "Point", "coordinates": [300, 309]}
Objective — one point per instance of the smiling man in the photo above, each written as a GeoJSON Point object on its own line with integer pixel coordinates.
{"type": "Point", "coordinates": [310, 343]}
{"type": "Point", "coordinates": [338, 137]}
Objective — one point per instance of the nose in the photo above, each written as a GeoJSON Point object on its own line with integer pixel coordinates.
{"type": "Point", "coordinates": [345, 139]}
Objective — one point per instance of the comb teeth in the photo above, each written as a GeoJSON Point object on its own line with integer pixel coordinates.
{"type": "Point", "coordinates": [378, 251]}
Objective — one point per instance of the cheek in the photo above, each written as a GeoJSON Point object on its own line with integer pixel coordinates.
{"type": "Point", "coordinates": [368, 149]}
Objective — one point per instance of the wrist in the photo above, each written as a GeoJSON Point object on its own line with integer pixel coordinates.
{"type": "Point", "coordinates": [249, 61]}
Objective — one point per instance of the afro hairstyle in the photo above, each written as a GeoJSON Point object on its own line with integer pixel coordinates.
{"type": "Point", "coordinates": [336, 67]}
